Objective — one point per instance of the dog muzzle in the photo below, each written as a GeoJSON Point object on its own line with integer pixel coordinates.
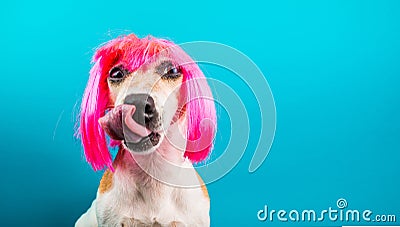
{"type": "Point", "coordinates": [134, 122]}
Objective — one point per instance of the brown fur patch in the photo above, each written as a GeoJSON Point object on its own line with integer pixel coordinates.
{"type": "Point", "coordinates": [106, 182]}
{"type": "Point", "coordinates": [203, 186]}
{"type": "Point", "coordinates": [174, 224]}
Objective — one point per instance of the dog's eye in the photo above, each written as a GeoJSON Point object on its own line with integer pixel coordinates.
{"type": "Point", "coordinates": [116, 74]}
{"type": "Point", "coordinates": [174, 70]}
{"type": "Point", "coordinates": [172, 73]}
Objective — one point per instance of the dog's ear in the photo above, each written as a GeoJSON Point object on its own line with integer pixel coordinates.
{"type": "Point", "coordinates": [94, 103]}
{"type": "Point", "coordinates": [200, 113]}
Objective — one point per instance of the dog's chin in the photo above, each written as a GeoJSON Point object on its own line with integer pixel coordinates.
{"type": "Point", "coordinates": [146, 145]}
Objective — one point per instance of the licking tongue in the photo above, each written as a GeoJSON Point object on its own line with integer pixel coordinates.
{"type": "Point", "coordinates": [119, 124]}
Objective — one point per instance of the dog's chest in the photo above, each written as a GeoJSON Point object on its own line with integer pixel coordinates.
{"type": "Point", "coordinates": [158, 213]}
{"type": "Point", "coordinates": [137, 199]}
{"type": "Point", "coordinates": [168, 207]}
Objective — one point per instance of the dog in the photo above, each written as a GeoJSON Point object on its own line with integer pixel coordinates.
{"type": "Point", "coordinates": [150, 99]}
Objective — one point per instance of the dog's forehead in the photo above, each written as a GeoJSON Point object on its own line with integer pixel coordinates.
{"type": "Point", "coordinates": [158, 65]}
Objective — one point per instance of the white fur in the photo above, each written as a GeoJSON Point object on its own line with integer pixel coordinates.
{"type": "Point", "coordinates": [140, 200]}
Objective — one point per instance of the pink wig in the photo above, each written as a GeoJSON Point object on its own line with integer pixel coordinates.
{"type": "Point", "coordinates": [132, 52]}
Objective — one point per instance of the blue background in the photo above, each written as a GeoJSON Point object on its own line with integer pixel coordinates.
{"type": "Point", "coordinates": [333, 67]}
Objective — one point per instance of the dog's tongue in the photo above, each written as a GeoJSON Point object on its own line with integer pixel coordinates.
{"type": "Point", "coordinates": [119, 124]}
{"type": "Point", "coordinates": [133, 131]}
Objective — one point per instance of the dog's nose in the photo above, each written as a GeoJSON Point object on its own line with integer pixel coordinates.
{"type": "Point", "coordinates": [145, 109]}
